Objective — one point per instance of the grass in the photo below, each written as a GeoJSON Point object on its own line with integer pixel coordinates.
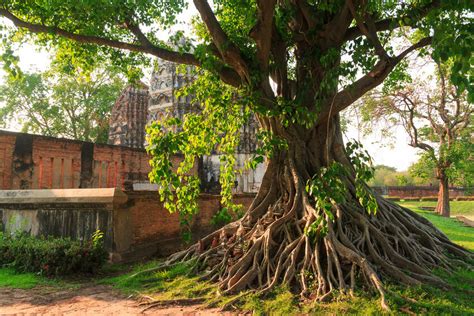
{"type": "Point", "coordinates": [10, 278]}
{"type": "Point", "coordinates": [176, 283]}
{"type": "Point", "coordinates": [179, 283]}
{"type": "Point", "coordinates": [455, 230]}
{"type": "Point", "coordinates": [464, 208]}
{"type": "Point", "coordinates": [164, 285]}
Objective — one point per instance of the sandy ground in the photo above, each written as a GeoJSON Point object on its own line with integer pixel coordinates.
{"type": "Point", "coordinates": [86, 300]}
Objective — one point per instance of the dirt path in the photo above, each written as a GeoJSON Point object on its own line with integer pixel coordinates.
{"type": "Point", "coordinates": [85, 300]}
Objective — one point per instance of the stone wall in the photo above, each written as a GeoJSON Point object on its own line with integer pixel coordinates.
{"type": "Point", "coordinates": [38, 162]}
{"type": "Point", "coordinates": [136, 224]}
{"type": "Point", "coordinates": [74, 213]}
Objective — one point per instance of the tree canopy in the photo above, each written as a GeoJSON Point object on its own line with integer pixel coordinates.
{"type": "Point", "coordinates": [245, 42]}
{"type": "Point", "coordinates": [63, 101]}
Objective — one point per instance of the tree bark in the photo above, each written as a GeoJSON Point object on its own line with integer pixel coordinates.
{"type": "Point", "coordinates": [442, 207]}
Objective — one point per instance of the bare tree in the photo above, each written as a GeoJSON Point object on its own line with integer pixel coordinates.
{"type": "Point", "coordinates": [437, 119]}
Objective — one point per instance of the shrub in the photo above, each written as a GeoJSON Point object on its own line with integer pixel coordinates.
{"type": "Point", "coordinates": [52, 256]}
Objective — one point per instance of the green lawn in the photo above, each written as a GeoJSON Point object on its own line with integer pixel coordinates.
{"type": "Point", "coordinates": [464, 208]}
{"type": "Point", "coordinates": [178, 283]}
{"type": "Point", "coordinates": [455, 230]}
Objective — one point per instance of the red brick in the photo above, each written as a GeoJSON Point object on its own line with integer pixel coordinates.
{"type": "Point", "coordinates": [56, 163]}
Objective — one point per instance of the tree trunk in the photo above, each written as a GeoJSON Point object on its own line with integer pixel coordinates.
{"type": "Point", "coordinates": [442, 207]}
{"type": "Point", "coordinates": [268, 246]}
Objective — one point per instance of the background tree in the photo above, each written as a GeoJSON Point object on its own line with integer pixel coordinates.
{"type": "Point", "coordinates": [383, 176]}
{"type": "Point", "coordinates": [61, 101]}
{"type": "Point", "coordinates": [437, 119]}
{"type": "Point", "coordinates": [389, 176]}
{"type": "Point", "coordinates": [312, 224]}
{"type": "Point", "coordinates": [461, 172]}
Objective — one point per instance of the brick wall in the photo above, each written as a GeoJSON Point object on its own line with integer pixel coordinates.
{"type": "Point", "coordinates": [135, 223]}
{"type": "Point", "coordinates": [38, 162]}
{"type": "Point", "coordinates": [156, 231]}
{"type": "Point", "coordinates": [56, 164]}
{"type": "Point", "coordinates": [418, 191]}
{"type": "Point", "coordinates": [7, 144]}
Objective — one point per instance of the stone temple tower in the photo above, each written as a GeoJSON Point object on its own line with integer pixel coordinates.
{"type": "Point", "coordinates": [129, 117]}
{"type": "Point", "coordinates": [165, 81]}
{"type": "Point", "coordinates": [128, 123]}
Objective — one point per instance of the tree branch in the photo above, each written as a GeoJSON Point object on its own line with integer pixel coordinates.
{"type": "Point", "coordinates": [227, 75]}
{"type": "Point", "coordinates": [182, 58]}
{"type": "Point", "coordinates": [280, 73]}
{"type": "Point", "coordinates": [407, 116]}
{"type": "Point", "coordinates": [229, 52]}
{"type": "Point", "coordinates": [334, 31]}
{"type": "Point", "coordinates": [392, 23]}
{"type": "Point", "coordinates": [383, 25]}
{"type": "Point", "coordinates": [135, 30]}
{"type": "Point", "coordinates": [367, 82]}
{"type": "Point", "coordinates": [369, 30]}
{"type": "Point", "coordinates": [262, 31]}
{"type": "Point", "coordinates": [442, 101]}
{"type": "Point", "coordinates": [308, 16]}
{"type": "Point", "coordinates": [413, 132]}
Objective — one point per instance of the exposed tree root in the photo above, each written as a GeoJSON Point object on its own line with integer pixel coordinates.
{"type": "Point", "coordinates": [184, 301]}
{"type": "Point", "coordinates": [269, 247]}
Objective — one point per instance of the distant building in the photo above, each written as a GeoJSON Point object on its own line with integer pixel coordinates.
{"type": "Point", "coordinates": [129, 117]}
{"type": "Point", "coordinates": [136, 107]}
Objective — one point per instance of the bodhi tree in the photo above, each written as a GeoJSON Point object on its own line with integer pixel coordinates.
{"type": "Point", "coordinates": [437, 118]}
{"type": "Point", "coordinates": [295, 65]}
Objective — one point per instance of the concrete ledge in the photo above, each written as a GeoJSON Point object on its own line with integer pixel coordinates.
{"type": "Point", "coordinates": [63, 196]}
{"type": "Point", "coordinates": [145, 186]}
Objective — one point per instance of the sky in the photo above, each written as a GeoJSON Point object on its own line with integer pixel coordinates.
{"type": "Point", "coordinates": [395, 153]}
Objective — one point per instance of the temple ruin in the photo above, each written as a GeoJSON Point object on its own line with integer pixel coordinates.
{"type": "Point", "coordinates": [138, 106]}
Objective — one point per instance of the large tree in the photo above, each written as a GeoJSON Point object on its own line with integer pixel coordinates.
{"type": "Point", "coordinates": [437, 116]}
{"type": "Point", "coordinates": [295, 64]}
